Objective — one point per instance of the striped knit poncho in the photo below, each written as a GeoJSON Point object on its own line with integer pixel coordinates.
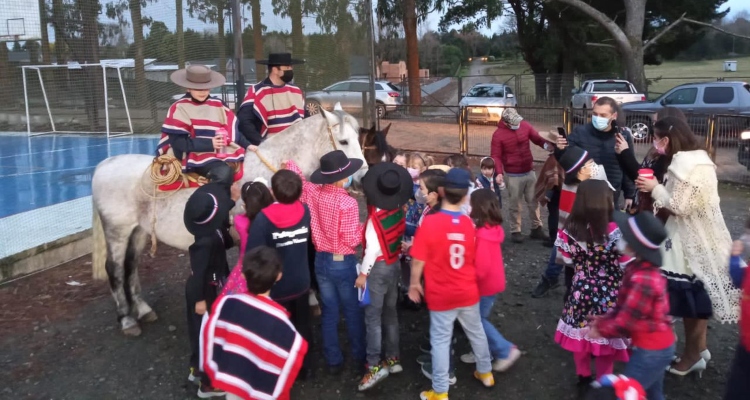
{"type": "Point", "coordinates": [277, 107]}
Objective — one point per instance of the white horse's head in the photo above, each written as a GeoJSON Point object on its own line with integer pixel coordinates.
{"type": "Point", "coordinates": [345, 132]}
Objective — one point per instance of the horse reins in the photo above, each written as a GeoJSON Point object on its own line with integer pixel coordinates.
{"type": "Point", "coordinates": [274, 169]}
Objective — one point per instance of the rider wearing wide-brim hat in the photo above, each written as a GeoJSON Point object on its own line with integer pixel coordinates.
{"type": "Point", "coordinates": [200, 130]}
{"type": "Point", "coordinates": [273, 104]}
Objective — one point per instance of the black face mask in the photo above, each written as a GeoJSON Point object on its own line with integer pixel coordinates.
{"type": "Point", "coordinates": [287, 76]}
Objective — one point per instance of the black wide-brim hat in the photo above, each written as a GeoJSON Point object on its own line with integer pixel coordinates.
{"type": "Point", "coordinates": [207, 209]}
{"type": "Point", "coordinates": [644, 234]}
{"type": "Point", "coordinates": [387, 186]}
{"type": "Point", "coordinates": [573, 158]}
{"type": "Point", "coordinates": [335, 166]}
{"type": "Point", "coordinates": [280, 59]}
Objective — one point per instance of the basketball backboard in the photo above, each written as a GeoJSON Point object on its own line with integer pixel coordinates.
{"type": "Point", "coordinates": [19, 20]}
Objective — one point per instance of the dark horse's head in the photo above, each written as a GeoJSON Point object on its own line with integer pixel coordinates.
{"type": "Point", "coordinates": [375, 146]}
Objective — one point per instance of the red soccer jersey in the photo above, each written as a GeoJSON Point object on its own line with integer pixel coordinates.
{"type": "Point", "coordinates": [445, 242]}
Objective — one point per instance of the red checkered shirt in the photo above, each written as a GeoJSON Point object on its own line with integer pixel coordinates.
{"type": "Point", "coordinates": [334, 216]}
{"type": "Point", "coordinates": [642, 310]}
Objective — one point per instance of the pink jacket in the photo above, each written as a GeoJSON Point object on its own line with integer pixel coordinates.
{"type": "Point", "coordinates": [236, 281]}
{"type": "Point", "coordinates": [489, 260]}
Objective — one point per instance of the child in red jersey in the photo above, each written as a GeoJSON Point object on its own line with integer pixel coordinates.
{"type": "Point", "coordinates": [642, 304]}
{"type": "Point", "coordinates": [444, 250]}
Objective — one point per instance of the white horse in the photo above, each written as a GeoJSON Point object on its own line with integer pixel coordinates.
{"type": "Point", "coordinates": [125, 215]}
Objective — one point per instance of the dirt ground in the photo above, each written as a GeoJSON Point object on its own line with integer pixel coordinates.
{"type": "Point", "coordinates": [61, 341]}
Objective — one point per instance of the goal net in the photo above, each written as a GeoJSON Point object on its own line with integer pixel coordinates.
{"type": "Point", "coordinates": [77, 98]}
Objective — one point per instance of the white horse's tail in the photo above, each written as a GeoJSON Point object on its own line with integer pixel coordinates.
{"type": "Point", "coordinates": [99, 252]}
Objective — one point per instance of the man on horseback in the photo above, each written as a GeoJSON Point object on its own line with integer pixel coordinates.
{"type": "Point", "coordinates": [200, 130]}
{"type": "Point", "coordinates": [273, 104]}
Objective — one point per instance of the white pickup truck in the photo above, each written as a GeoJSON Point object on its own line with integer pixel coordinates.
{"type": "Point", "coordinates": [620, 90]}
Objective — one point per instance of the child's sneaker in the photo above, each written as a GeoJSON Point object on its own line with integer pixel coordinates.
{"type": "Point", "coordinates": [394, 365]}
{"type": "Point", "coordinates": [468, 358]}
{"type": "Point", "coordinates": [431, 395]}
{"type": "Point", "coordinates": [504, 364]}
{"type": "Point", "coordinates": [486, 378]}
{"type": "Point", "coordinates": [206, 392]}
{"type": "Point", "coordinates": [424, 359]}
{"type": "Point", "coordinates": [375, 374]}
{"type": "Point", "coordinates": [195, 376]}
{"type": "Point", "coordinates": [427, 372]}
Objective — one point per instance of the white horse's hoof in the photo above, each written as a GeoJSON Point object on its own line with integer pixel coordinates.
{"type": "Point", "coordinates": [130, 327]}
{"type": "Point", "coordinates": [149, 317]}
{"type": "Point", "coordinates": [132, 331]}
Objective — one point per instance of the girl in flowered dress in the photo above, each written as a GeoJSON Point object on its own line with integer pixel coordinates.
{"type": "Point", "coordinates": [255, 197]}
{"type": "Point", "coordinates": [587, 242]}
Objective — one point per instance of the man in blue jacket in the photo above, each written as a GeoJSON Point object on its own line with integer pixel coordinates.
{"type": "Point", "coordinates": [598, 139]}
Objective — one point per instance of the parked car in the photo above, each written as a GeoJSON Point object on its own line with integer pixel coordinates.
{"type": "Point", "coordinates": [743, 154]}
{"type": "Point", "coordinates": [225, 92]}
{"type": "Point", "coordinates": [622, 91]}
{"type": "Point", "coordinates": [349, 94]}
{"type": "Point", "coordinates": [485, 102]}
{"type": "Point", "coordinates": [694, 99]}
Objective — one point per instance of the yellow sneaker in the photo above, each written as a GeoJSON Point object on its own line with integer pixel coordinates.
{"type": "Point", "coordinates": [486, 378]}
{"type": "Point", "coordinates": [431, 395]}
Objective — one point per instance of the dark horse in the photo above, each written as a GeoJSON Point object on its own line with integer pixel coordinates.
{"type": "Point", "coordinates": [374, 145]}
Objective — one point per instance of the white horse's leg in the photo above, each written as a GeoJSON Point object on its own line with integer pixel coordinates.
{"type": "Point", "coordinates": [118, 239]}
{"type": "Point", "coordinates": [137, 243]}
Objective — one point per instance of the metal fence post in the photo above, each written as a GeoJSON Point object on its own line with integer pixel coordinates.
{"type": "Point", "coordinates": [567, 119]}
{"type": "Point", "coordinates": [710, 136]}
{"type": "Point", "coordinates": [460, 88]}
{"type": "Point", "coordinates": [464, 137]}
{"type": "Point", "coordinates": [367, 110]}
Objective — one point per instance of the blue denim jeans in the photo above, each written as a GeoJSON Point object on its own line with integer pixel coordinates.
{"type": "Point", "coordinates": [499, 346]}
{"type": "Point", "coordinates": [648, 367]}
{"type": "Point", "coordinates": [441, 333]}
{"type": "Point", "coordinates": [552, 273]}
{"type": "Point", "coordinates": [337, 293]}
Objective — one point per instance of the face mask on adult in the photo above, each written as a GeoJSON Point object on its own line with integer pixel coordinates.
{"type": "Point", "coordinates": [600, 123]}
{"type": "Point", "coordinates": [660, 150]}
{"type": "Point", "coordinates": [513, 127]}
{"type": "Point", "coordinates": [287, 76]}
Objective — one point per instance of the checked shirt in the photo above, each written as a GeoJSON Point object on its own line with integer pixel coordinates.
{"type": "Point", "coordinates": [334, 216]}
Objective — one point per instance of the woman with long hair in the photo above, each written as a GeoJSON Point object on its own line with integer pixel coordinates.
{"type": "Point", "coordinates": [696, 251]}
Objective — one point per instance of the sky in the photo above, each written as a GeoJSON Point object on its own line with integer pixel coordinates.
{"type": "Point", "coordinates": [164, 10]}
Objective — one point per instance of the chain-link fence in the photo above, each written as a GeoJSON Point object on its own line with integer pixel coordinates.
{"type": "Point", "coordinates": [104, 65]}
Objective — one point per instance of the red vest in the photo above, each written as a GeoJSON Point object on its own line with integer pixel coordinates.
{"type": "Point", "coordinates": [390, 226]}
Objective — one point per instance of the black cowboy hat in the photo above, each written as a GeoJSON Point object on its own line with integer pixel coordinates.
{"type": "Point", "coordinates": [207, 209]}
{"type": "Point", "coordinates": [387, 186]}
{"type": "Point", "coordinates": [280, 59]}
{"type": "Point", "coordinates": [335, 166]}
{"type": "Point", "coordinates": [573, 158]}
{"type": "Point", "coordinates": [644, 233]}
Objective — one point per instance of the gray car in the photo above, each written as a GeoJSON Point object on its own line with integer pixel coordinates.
{"type": "Point", "coordinates": [349, 94]}
{"type": "Point", "coordinates": [694, 99]}
{"type": "Point", "coordinates": [485, 102]}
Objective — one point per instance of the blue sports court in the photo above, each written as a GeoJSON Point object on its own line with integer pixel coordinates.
{"type": "Point", "coordinates": [46, 184]}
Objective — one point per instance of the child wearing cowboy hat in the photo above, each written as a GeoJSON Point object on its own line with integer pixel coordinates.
{"type": "Point", "coordinates": [206, 217]}
{"type": "Point", "coordinates": [642, 310]}
{"type": "Point", "coordinates": [387, 187]}
{"type": "Point", "coordinates": [336, 233]}
{"type": "Point", "coordinates": [205, 147]}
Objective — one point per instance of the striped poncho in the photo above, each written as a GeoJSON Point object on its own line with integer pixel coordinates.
{"type": "Point", "coordinates": [250, 349]}
{"type": "Point", "coordinates": [277, 107]}
{"type": "Point", "coordinates": [389, 226]}
{"type": "Point", "coordinates": [198, 122]}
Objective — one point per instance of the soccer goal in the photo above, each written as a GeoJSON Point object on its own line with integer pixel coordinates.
{"type": "Point", "coordinates": [77, 98]}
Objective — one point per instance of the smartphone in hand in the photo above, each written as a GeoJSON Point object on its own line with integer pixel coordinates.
{"type": "Point", "coordinates": [561, 132]}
